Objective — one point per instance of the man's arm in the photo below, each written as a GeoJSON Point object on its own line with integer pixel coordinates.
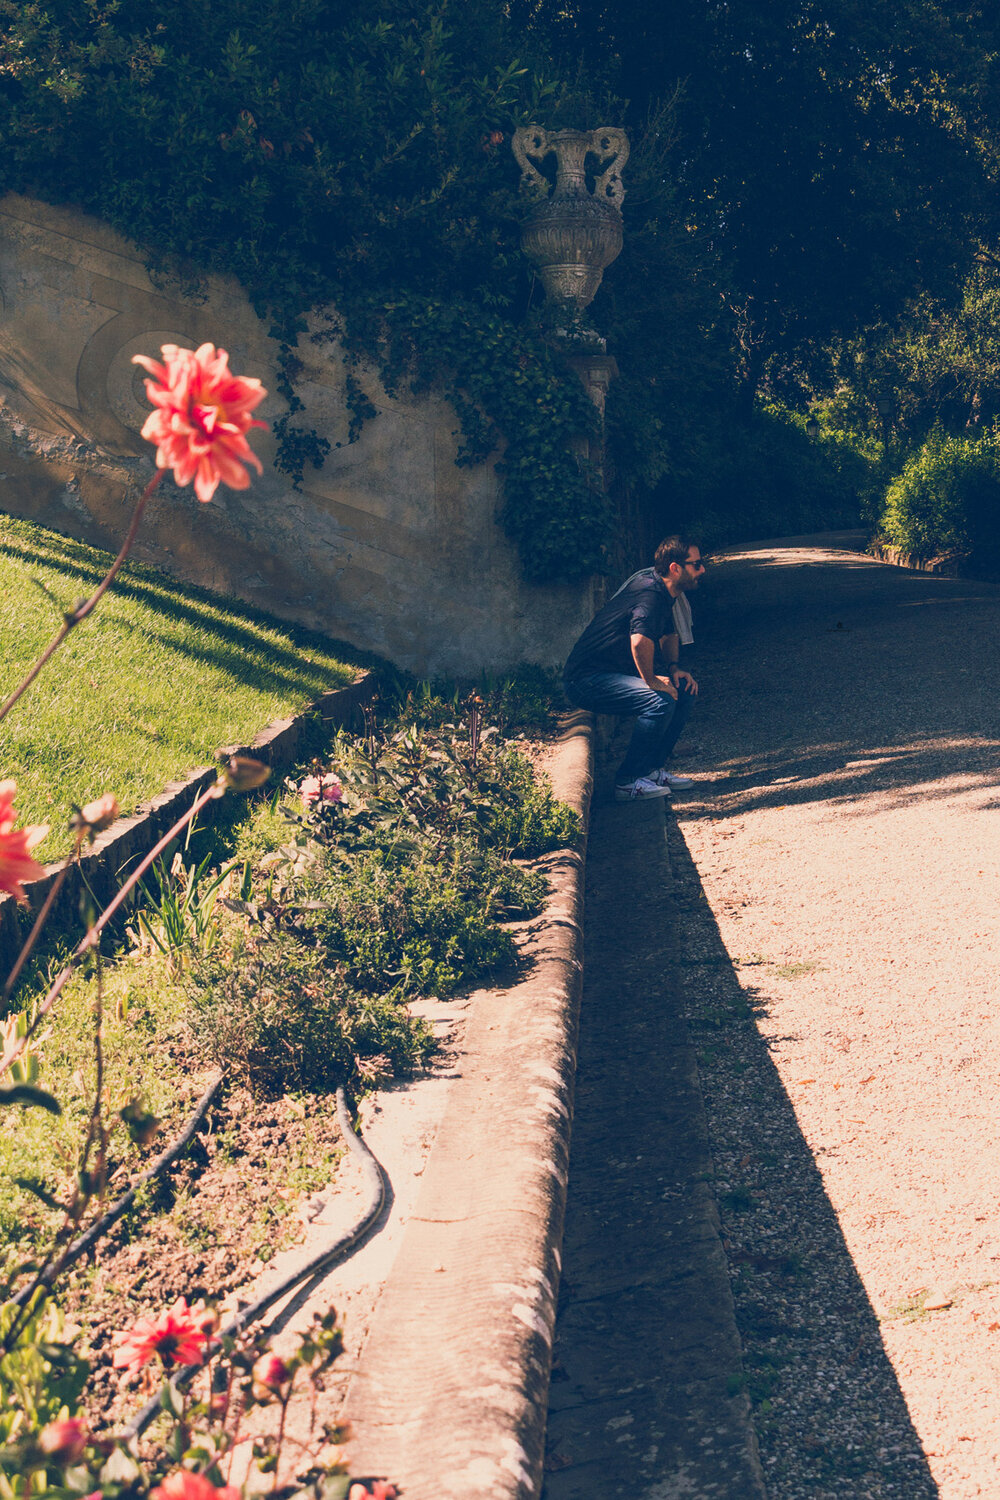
{"type": "Point", "coordinates": [670, 646]}
{"type": "Point", "coordinates": [643, 654]}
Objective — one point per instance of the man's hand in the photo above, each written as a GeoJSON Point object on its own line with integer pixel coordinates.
{"type": "Point", "coordinates": [643, 651]}
{"type": "Point", "coordinates": [688, 681]}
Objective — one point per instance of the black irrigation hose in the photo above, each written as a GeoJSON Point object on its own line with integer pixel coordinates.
{"type": "Point", "coordinates": [99, 1229]}
{"type": "Point", "coordinates": [341, 1248]}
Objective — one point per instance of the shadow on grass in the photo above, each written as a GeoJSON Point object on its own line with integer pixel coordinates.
{"type": "Point", "coordinates": [244, 631]}
{"type": "Point", "coordinates": [827, 1405]}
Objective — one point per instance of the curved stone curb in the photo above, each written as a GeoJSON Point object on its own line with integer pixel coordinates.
{"type": "Point", "coordinates": [947, 565]}
{"type": "Point", "coordinates": [101, 868]}
{"type": "Point", "coordinates": [449, 1396]}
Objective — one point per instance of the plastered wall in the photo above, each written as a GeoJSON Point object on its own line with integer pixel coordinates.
{"type": "Point", "coordinates": [388, 545]}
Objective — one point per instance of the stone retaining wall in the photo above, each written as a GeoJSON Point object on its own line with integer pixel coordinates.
{"type": "Point", "coordinates": [947, 565]}
{"type": "Point", "coordinates": [388, 545]}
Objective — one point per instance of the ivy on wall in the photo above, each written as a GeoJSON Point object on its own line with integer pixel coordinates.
{"type": "Point", "coordinates": [511, 391]}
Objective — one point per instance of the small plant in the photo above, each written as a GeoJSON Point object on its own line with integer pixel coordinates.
{"type": "Point", "coordinates": [210, 1380]}
{"type": "Point", "coordinates": [798, 969]}
{"type": "Point", "coordinates": [526, 819]}
{"type": "Point", "coordinates": [279, 1014]}
{"type": "Point", "coordinates": [180, 916]}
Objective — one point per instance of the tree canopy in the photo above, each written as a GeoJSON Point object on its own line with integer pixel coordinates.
{"type": "Point", "coordinates": [811, 204]}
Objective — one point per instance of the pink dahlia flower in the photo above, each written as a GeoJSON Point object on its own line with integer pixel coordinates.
{"type": "Point", "coordinates": [177, 1337]}
{"type": "Point", "coordinates": [16, 863]}
{"type": "Point", "coordinates": [381, 1491]}
{"type": "Point", "coordinates": [202, 417]}
{"type": "Point", "coordinates": [187, 1486]}
{"type": "Point", "coordinates": [320, 789]}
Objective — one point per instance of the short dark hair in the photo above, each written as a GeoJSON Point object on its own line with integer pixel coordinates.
{"type": "Point", "coordinates": [673, 549]}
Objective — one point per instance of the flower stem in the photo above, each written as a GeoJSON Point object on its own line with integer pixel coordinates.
{"type": "Point", "coordinates": [33, 935]}
{"type": "Point", "coordinates": [74, 617]}
{"type": "Point", "coordinates": [90, 938]}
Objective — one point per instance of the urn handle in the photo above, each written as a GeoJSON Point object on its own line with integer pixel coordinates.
{"type": "Point", "coordinates": [531, 141]}
{"type": "Point", "coordinates": [611, 143]}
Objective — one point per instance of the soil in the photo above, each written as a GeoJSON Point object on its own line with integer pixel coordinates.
{"type": "Point", "coordinates": [837, 862]}
{"type": "Point", "coordinates": [206, 1229]}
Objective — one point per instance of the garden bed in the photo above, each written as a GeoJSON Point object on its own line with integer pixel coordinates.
{"type": "Point", "coordinates": [352, 903]}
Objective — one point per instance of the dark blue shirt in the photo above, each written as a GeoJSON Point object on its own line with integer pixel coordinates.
{"type": "Point", "coordinates": [642, 607]}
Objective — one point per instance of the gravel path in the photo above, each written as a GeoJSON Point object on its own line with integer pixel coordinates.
{"type": "Point", "coordinates": [836, 873]}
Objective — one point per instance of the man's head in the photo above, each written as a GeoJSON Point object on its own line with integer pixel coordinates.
{"type": "Point", "coordinates": [678, 562]}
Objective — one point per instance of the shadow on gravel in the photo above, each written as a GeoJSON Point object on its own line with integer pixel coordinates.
{"type": "Point", "coordinates": [830, 1416]}
{"type": "Point", "coordinates": [840, 680]}
{"type": "Point", "coordinates": [850, 773]}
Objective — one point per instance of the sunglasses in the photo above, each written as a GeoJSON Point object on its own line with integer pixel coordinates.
{"type": "Point", "coordinates": [700, 564]}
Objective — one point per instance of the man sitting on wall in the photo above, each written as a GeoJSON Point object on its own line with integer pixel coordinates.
{"type": "Point", "coordinates": [627, 661]}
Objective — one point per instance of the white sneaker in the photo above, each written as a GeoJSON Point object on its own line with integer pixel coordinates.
{"type": "Point", "coordinates": [663, 777]}
{"type": "Point", "coordinates": [644, 787]}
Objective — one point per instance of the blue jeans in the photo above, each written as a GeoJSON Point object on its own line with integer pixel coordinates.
{"type": "Point", "coordinates": [659, 719]}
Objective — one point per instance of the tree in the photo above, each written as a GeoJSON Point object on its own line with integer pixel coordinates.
{"type": "Point", "coordinates": [836, 154]}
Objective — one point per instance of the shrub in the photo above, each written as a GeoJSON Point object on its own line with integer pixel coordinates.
{"type": "Point", "coordinates": [415, 928]}
{"type": "Point", "coordinates": [394, 887]}
{"type": "Point", "coordinates": [526, 819]}
{"type": "Point", "coordinates": [947, 497]}
{"type": "Point", "coordinates": [280, 1016]}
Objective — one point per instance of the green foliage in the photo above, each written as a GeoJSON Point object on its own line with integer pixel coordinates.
{"type": "Point", "coordinates": [181, 913]}
{"type": "Point", "coordinates": [415, 928]}
{"type": "Point", "coordinates": [520, 703]}
{"type": "Point", "coordinates": [320, 153]}
{"type": "Point", "coordinates": [938, 363]}
{"type": "Point", "coordinates": [525, 818]}
{"type": "Point", "coordinates": [359, 156]}
{"type": "Point", "coordinates": [947, 497]}
{"type": "Point", "coordinates": [766, 477]}
{"type": "Point", "coordinates": [40, 1377]}
{"type": "Point", "coordinates": [510, 389]}
{"type": "Point", "coordinates": [277, 1012]}
{"type": "Point", "coordinates": [395, 887]}
{"type": "Point", "coordinates": [882, 188]}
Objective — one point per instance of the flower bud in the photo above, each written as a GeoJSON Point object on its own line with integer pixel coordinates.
{"type": "Point", "coordinates": [63, 1441]}
{"type": "Point", "coordinates": [206, 1318]}
{"type": "Point", "coordinates": [270, 1374]}
{"type": "Point", "coordinates": [244, 774]}
{"type": "Point", "coordinates": [94, 817]}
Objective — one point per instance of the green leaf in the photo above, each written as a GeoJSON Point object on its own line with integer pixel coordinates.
{"type": "Point", "coordinates": [171, 1401]}
{"type": "Point", "coordinates": [121, 1468]}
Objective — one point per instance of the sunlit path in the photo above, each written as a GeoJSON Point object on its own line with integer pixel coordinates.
{"type": "Point", "coordinates": [846, 845]}
{"type": "Point", "coordinates": [825, 951]}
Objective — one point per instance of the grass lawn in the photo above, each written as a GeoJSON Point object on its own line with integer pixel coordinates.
{"type": "Point", "coordinates": [147, 688]}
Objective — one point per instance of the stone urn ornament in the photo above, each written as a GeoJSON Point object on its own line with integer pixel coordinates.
{"type": "Point", "coordinates": [574, 230]}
